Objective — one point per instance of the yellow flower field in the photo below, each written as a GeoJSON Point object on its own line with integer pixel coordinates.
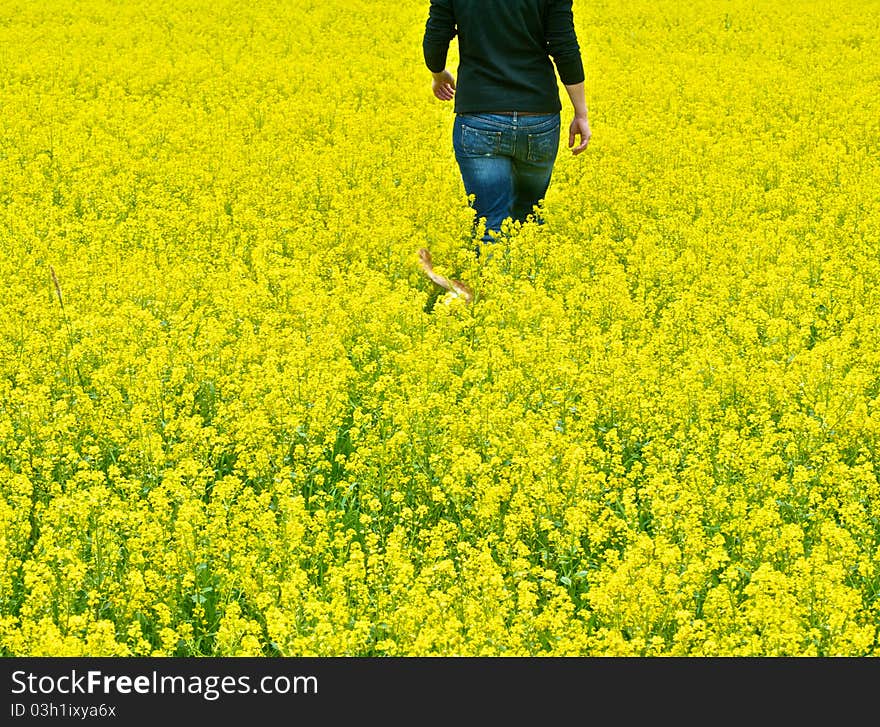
{"type": "Point", "coordinates": [240, 425]}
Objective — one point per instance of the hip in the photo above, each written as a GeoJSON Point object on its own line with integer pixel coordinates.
{"type": "Point", "coordinates": [532, 138]}
{"type": "Point", "coordinates": [508, 120]}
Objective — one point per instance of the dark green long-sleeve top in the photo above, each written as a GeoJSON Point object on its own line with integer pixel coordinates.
{"type": "Point", "coordinates": [505, 47]}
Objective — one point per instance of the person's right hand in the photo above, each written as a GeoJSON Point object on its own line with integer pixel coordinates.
{"type": "Point", "coordinates": [580, 126]}
{"type": "Point", "coordinates": [443, 85]}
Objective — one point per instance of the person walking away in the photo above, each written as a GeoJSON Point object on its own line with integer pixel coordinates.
{"type": "Point", "coordinates": [507, 125]}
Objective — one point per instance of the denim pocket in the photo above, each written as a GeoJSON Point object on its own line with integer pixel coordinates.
{"type": "Point", "coordinates": [481, 142]}
{"type": "Point", "coordinates": [543, 146]}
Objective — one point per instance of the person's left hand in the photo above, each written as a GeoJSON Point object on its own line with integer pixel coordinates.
{"type": "Point", "coordinates": [580, 126]}
{"type": "Point", "coordinates": [444, 85]}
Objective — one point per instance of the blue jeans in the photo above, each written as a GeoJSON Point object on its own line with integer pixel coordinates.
{"type": "Point", "coordinates": [506, 162]}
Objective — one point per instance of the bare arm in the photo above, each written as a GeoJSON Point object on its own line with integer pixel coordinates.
{"type": "Point", "coordinates": [563, 46]}
{"type": "Point", "coordinates": [580, 125]}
